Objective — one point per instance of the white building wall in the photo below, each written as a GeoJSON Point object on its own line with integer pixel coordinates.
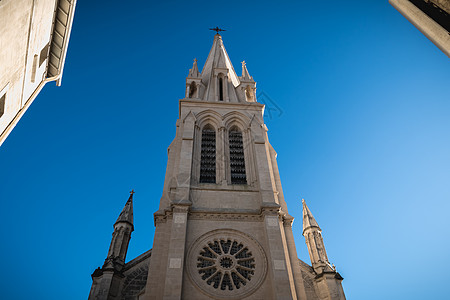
{"type": "Point", "coordinates": [26, 28]}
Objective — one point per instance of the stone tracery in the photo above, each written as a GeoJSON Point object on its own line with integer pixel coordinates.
{"type": "Point", "coordinates": [226, 264]}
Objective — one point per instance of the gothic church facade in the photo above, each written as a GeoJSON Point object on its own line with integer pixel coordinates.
{"type": "Point", "coordinates": [223, 230]}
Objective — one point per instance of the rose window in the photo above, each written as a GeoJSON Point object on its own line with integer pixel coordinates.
{"type": "Point", "coordinates": [226, 264]}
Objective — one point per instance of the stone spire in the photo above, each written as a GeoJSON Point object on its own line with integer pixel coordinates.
{"type": "Point", "coordinates": [308, 219]}
{"type": "Point", "coordinates": [106, 277]}
{"type": "Point", "coordinates": [123, 228]}
{"type": "Point", "coordinates": [218, 58]}
{"type": "Point", "coordinates": [245, 75]}
{"type": "Point", "coordinates": [194, 73]}
{"type": "Point", "coordinates": [327, 279]}
{"type": "Point", "coordinates": [127, 212]}
{"type": "Point", "coordinates": [314, 241]}
{"type": "Point", "coordinates": [218, 75]}
{"type": "Point", "coordinates": [218, 80]}
{"type": "Point", "coordinates": [248, 85]}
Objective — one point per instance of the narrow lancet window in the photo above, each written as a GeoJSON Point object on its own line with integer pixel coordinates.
{"type": "Point", "coordinates": [220, 89]}
{"type": "Point", "coordinates": [208, 156]}
{"type": "Point", "coordinates": [237, 161]}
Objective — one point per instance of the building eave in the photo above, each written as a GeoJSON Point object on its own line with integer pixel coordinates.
{"type": "Point", "coordinates": [62, 27]}
{"type": "Point", "coordinates": [432, 30]}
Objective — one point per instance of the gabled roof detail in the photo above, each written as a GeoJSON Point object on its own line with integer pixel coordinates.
{"type": "Point", "coordinates": [127, 212]}
{"type": "Point", "coordinates": [308, 219]}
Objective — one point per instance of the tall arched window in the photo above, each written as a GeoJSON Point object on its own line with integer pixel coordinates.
{"type": "Point", "coordinates": [237, 161]}
{"type": "Point", "coordinates": [220, 89]}
{"type": "Point", "coordinates": [208, 155]}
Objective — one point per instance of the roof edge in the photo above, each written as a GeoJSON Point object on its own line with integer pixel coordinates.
{"type": "Point", "coordinates": [138, 259]}
{"type": "Point", "coordinates": [64, 14]}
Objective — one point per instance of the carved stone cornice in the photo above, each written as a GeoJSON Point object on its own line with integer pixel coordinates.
{"type": "Point", "coordinates": [251, 216]}
{"type": "Point", "coordinates": [271, 209]}
{"type": "Point", "coordinates": [288, 220]}
{"type": "Point", "coordinates": [225, 216]}
{"type": "Point", "coordinates": [161, 216]}
{"type": "Point", "coordinates": [181, 207]}
{"type": "Point", "coordinates": [160, 219]}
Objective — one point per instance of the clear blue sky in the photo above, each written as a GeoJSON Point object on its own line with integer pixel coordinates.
{"type": "Point", "coordinates": [362, 133]}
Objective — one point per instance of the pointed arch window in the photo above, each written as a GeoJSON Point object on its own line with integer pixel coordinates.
{"type": "Point", "coordinates": [220, 89]}
{"type": "Point", "coordinates": [208, 155]}
{"type": "Point", "coordinates": [237, 161]}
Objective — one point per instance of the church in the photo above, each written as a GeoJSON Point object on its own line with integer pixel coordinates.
{"type": "Point", "coordinates": [223, 230]}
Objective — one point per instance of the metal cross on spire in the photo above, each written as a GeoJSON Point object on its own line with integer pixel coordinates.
{"type": "Point", "coordinates": [217, 29]}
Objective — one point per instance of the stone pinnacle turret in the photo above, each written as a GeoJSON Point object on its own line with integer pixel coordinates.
{"type": "Point", "coordinates": [123, 228]}
{"type": "Point", "coordinates": [327, 279]}
{"type": "Point", "coordinates": [314, 241]}
{"type": "Point", "coordinates": [127, 212]}
{"type": "Point", "coordinates": [104, 278]}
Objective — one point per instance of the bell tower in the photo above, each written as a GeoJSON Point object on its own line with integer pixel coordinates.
{"type": "Point", "coordinates": [223, 230]}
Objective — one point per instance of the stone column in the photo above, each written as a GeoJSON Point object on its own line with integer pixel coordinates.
{"type": "Point", "coordinates": [296, 271]}
{"type": "Point", "coordinates": [249, 156]}
{"type": "Point", "coordinates": [197, 84]}
{"type": "Point", "coordinates": [176, 253]}
{"type": "Point", "coordinates": [279, 261]}
{"type": "Point", "coordinates": [106, 286]}
{"type": "Point", "coordinates": [226, 98]}
{"type": "Point", "coordinates": [220, 156]}
{"type": "Point", "coordinates": [216, 87]}
{"type": "Point", "coordinates": [330, 286]}
{"type": "Point", "coordinates": [154, 289]}
{"type": "Point", "coordinates": [188, 88]}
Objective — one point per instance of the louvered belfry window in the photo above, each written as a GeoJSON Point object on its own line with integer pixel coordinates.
{"type": "Point", "coordinates": [208, 156]}
{"type": "Point", "coordinates": [237, 162]}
